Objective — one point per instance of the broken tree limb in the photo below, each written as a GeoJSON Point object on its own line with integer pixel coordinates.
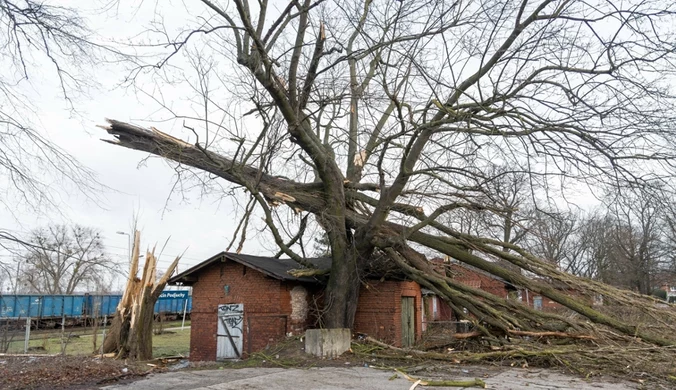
{"type": "Point", "coordinates": [552, 334]}
{"type": "Point", "coordinates": [469, 335]}
{"type": "Point", "coordinates": [475, 357]}
{"type": "Point", "coordinates": [476, 382]}
{"type": "Point", "coordinates": [563, 335]}
{"type": "Point", "coordinates": [546, 290]}
{"type": "Point", "coordinates": [583, 359]}
{"type": "Point", "coordinates": [388, 346]}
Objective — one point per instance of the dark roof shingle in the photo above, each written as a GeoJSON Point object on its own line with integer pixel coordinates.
{"type": "Point", "coordinates": [270, 266]}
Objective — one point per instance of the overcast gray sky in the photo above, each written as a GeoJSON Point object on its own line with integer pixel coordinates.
{"type": "Point", "coordinates": [200, 226]}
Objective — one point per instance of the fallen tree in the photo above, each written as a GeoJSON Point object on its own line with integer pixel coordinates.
{"type": "Point", "coordinates": [131, 331]}
{"type": "Point", "coordinates": [501, 315]}
{"type": "Point", "coordinates": [386, 121]}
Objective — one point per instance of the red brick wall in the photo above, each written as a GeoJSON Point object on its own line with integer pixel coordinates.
{"type": "Point", "coordinates": [478, 280]}
{"type": "Point", "coordinates": [266, 307]}
{"type": "Point", "coordinates": [379, 310]}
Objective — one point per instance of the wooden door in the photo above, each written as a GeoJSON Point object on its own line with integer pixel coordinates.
{"type": "Point", "coordinates": [229, 335]}
{"type": "Point", "coordinates": [407, 321]}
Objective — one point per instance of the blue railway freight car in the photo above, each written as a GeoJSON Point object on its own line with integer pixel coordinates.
{"type": "Point", "coordinates": [173, 305]}
{"type": "Point", "coordinates": [39, 306]}
{"type": "Point", "coordinates": [169, 302]}
{"type": "Point", "coordinates": [102, 305]}
{"type": "Point", "coordinates": [78, 307]}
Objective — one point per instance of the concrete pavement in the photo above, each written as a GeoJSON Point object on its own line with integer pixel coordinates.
{"type": "Point", "coordinates": [339, 378]}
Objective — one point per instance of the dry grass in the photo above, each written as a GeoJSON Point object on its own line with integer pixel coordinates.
{"type": "Point", "coordinates": [174, 342]}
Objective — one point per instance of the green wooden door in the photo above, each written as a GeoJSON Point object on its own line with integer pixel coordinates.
{"type": "Point", "coordinates": [407, 321]}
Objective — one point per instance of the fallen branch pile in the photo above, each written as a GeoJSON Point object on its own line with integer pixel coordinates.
{"type": "Point", "coordinates": [637, 361]}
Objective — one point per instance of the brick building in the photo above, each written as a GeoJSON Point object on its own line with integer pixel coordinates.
{"type": "Point", "coordinates": [243, 303]}
{"type": "Point", "coordinates": [390, 311]}
{"type": "Point", "coordinates": [436, 310]}
{"type": "Point", "coordinates": [474, 277]}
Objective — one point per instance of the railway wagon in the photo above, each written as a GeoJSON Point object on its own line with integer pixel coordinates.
{"type": "Point", "coordinates": [50, 310]}
{"type": "Point", "coordinates": [39, 306]}
{"type": "Point", "coordinates": [170, 302]}
{"type": "Point", "coordinates": [102, 305]}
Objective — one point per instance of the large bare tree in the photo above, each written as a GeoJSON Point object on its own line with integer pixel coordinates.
{"type": "Point", "coordinates": [379, 118]}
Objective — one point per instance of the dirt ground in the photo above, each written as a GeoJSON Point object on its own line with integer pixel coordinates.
{"type": "Point", "coordinates": [63, 372]}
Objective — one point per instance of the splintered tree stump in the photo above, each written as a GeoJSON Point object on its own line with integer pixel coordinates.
{"type": "Point", "coordinates": [131, 330]}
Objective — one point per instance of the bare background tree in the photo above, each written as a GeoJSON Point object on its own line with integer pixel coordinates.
{"type": "Point", "coordinates": [65, 259]}
{"type": "Point", "coordinates": [45, 49]}
{"type": "Point", "coordinates": [384, 119]}
{"type": "Point", "coordinates": [37, 33]}
{"type": "Point", "coordinates": [553, 237]}
{"type": "Point", "coordinates": [625, 242]}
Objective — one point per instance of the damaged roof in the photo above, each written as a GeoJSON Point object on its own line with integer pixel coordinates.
{"type": "Point", "coordinates": [270, 266]}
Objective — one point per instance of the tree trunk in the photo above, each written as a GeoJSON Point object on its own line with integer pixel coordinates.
{"type": "Point", "coordinates": [342, 291]}
{"type": "Point", "coordinates": [131, 331]}
{"type": "Point", "coordinates": [119, 328]}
